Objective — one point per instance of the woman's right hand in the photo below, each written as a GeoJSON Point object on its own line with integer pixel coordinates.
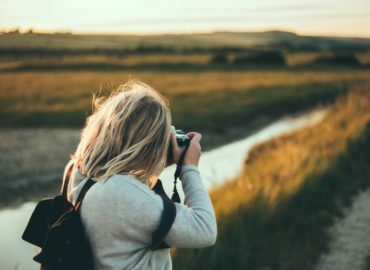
{"type": "Point", "coordinates": [192, 154]}
{"type": "Point", "coordinates": [194, 151]}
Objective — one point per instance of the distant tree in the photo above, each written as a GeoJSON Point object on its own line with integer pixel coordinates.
{"type": "Point", "coordinates": [15, 31]}
{"type": "Point", "coordinates": [341, 59]}
{"type": "Point", "coordinates": [219, 59]}
{"type": "Point", "coordinates": [153, 48]}
{"type": "Point", "coordinates": [261, 58]}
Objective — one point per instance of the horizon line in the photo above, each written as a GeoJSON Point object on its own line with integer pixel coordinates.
{"type": "Point", "coordinates": [25, 30]}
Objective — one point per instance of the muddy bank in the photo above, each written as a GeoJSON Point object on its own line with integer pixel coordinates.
{"type": "Point", "coordinates": [32, 162]}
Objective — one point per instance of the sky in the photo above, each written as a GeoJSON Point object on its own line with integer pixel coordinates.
{"type": "Point", "coordinates": [314, 17]}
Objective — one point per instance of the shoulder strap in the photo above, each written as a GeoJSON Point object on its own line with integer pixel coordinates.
{"type": "Point", "coordinates": [66, 181]}
{"type": "Point", "coordinates": [83, 192]}
{"type": "Point", "coordinates": [167, 219]}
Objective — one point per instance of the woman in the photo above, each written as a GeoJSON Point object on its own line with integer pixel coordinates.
{"type": "Point", "coordinates": [124, 147]}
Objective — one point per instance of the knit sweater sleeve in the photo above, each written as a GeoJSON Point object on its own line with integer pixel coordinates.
{"type": "Point", "coordinates": [195, 224]}
{"type": "Point", "coordinates": [130, 211]}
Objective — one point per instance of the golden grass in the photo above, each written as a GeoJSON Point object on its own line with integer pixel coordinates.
{"type": "Point", "coordinates": [364, 57]}
{"type": "Point", "coordinates": [300, 58]}
{"type": "Point", "coordinates": [69, 91]}
{"type": "Point", "coordinates": [276, 214]}
{"type": "Point", "coordinates": [282, 165]}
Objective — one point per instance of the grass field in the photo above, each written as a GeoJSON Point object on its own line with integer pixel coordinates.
{"type": "Point", "coordinates": [199, 100]}
{"type": "Point", "coordinates": [47, 80]}
{"type": "Point", "coordinates": [178, 42]}
{"type": "Point", "coordinates": [66, 51]}
{"type": "Point", "coordinates": [275, 215]}
{"type": "Point", "coordinates": [152, 60]}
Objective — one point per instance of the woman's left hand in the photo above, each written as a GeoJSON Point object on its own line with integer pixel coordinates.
{"type": "Point", "coordinates": [176, 150]}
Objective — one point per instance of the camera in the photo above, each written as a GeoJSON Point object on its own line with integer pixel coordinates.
{"type": "Point", "coordinates": [182, 140]}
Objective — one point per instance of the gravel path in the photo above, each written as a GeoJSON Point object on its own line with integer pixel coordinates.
{"type": "Point", "coordinates": [351, 245]}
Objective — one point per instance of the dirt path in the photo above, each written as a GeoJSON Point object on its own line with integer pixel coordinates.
{"type": "Point", "coordinates": [351, 245]}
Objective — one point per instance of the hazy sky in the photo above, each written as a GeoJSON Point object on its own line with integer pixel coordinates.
{"type": "Point", "coordinates": [332, 17]}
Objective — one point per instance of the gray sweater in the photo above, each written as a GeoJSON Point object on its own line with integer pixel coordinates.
{"type": "Point", "coordinates": [121, 213]}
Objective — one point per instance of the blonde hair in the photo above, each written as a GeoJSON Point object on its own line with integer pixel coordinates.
{"type": "Point", "coordinates": [129, 132]}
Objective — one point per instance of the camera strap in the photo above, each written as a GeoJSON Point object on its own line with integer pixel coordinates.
{"type": "Point", "coordinates": [175, 196]}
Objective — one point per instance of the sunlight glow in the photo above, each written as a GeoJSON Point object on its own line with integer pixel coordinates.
{"type": "Point", "coordinates": [329, 17]}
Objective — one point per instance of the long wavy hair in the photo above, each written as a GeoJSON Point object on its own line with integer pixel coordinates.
{"type": "Point", "coordinates": [128, 133]}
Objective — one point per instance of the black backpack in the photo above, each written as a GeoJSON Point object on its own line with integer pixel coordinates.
{"type": "Point", "coordinates": [55, 226]}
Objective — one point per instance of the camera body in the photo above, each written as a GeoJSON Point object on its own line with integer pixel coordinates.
{"type": "Point", "coordinates": [182, 140]}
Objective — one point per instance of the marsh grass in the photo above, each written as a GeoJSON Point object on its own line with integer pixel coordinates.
{"type": "Point", "coordinates": [276, 214]}
{"type": "Point", "coordinates": [198, 99]}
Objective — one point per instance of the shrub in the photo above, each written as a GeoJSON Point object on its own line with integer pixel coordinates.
{"type": "Point", "coordinates": [219, 59]}
{"type": "Point", "coordinates": [342, 59]}
{"type": "Point", "coordinates": [261, 58]}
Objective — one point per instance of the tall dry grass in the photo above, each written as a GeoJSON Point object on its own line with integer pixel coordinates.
{"type": "Point", "coordinates": [277, 212]}
{"type": "Point", "coordinates": [35, 98]}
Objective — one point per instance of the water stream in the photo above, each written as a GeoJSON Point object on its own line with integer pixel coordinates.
{"type": "Point", "coordinates": [216, 167]}
{"type": "Point", "coordinates": [225, 162]}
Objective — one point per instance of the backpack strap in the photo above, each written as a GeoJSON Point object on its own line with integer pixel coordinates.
{"type": "Point", "coordinates": [167, 219]}
{"type": "Point", "coordinates": [83, 192]}
{"type": "Point", "coordinates": [65, 184]}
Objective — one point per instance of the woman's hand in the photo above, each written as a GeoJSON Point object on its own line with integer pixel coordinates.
{"type": "Point", "coordinates": [192, 154]}
{"type": "Point", "coordinates": [194, 151]}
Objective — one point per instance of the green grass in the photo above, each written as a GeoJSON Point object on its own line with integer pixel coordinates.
{"type": "Point", "coordinates": [278, 212]}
